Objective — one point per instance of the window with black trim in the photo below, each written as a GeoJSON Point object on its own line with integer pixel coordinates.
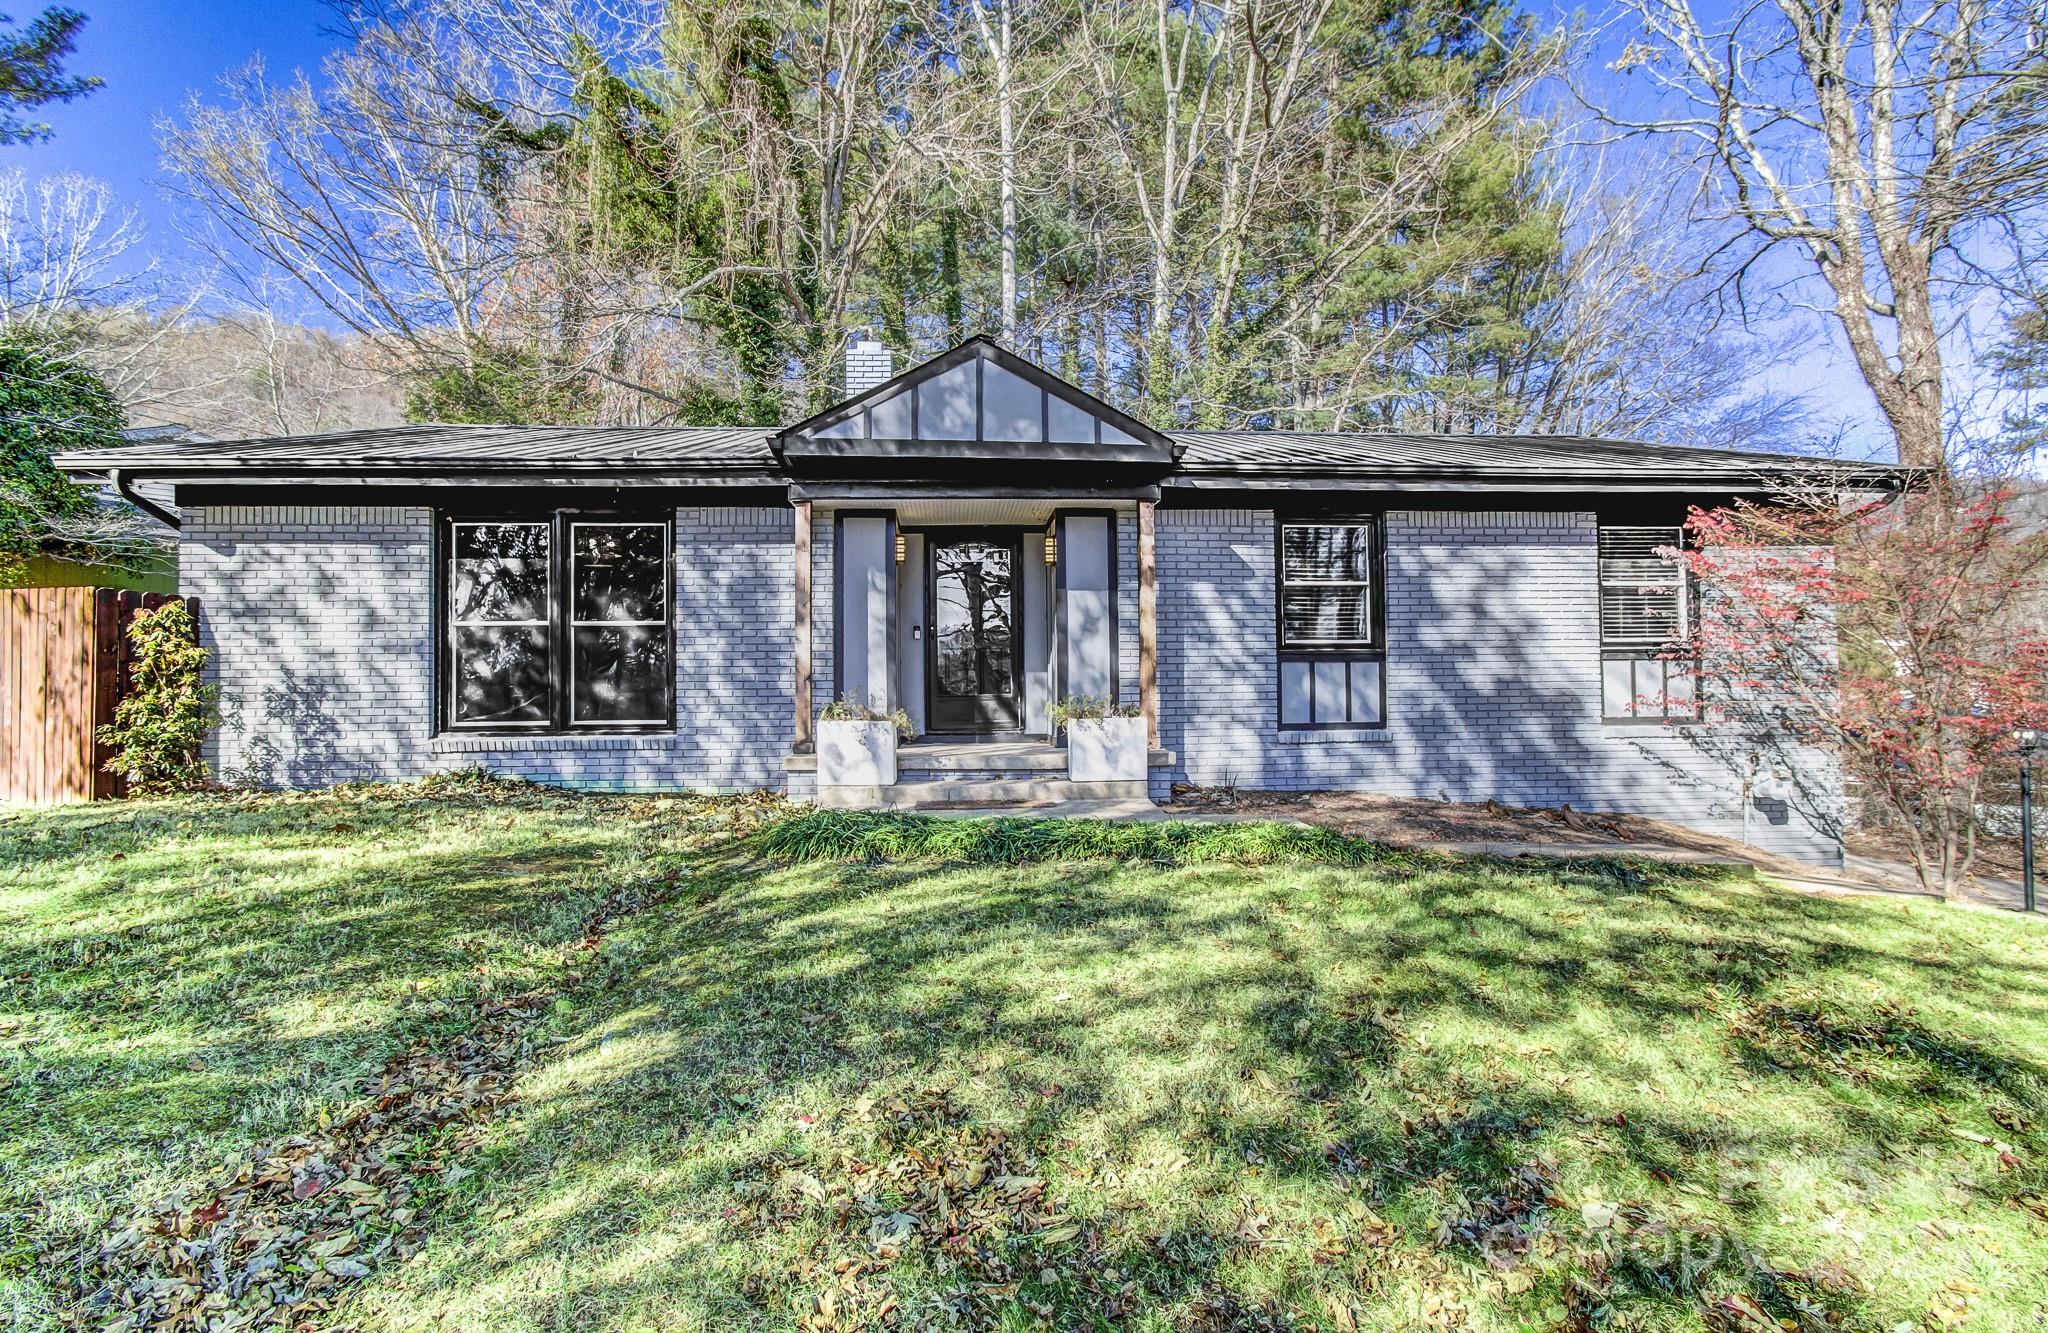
{"type": "Point", "coordinates": [557, 623]}
{"type": "Point", "coordinates": [1332, 657]}
{"type": "Point", "coordinates": [1646, 626]}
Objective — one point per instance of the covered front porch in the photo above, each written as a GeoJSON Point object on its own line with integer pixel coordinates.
{"type": "Point", "coordinates": [973, 546]}
{"type": "Point", "coordinates": [974, 616]}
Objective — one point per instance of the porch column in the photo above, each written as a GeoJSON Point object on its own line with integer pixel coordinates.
{"type": "Point", "coordinates": [801, 552]}
{"type": "Point", "coordinates": [1148, 624]}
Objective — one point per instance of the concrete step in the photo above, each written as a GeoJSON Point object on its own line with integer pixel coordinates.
{"type": "Point", "coordinates": [1001, 791]}
{"type": "Point", "coordinates": [975, 759]}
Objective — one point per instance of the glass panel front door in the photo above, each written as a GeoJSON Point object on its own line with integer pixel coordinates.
{"type": "Point", "coordinates": [974, 667]}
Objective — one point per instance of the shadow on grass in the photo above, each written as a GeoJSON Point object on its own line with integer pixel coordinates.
{"type": "Point", "coordinates": [183, 979]}
{"type": "Point", "coordinates": [1261, 1088]}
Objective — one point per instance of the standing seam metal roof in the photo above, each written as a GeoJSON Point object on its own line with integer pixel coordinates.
{"type": "Point", "coordinates": [1216, 453]}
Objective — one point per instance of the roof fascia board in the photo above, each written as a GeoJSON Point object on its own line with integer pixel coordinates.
{"type": "Point", "coordinates": [981, 450]}
{"type": "Point", "coordinates": [965, 491]}
{"type": "Point", "coordinates": [451, 477]}
{"type": "Point", "coordinates": [1366, 484]}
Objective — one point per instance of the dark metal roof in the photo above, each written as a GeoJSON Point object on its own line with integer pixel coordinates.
{"type": "Point", "coordinates": [455, 448]}
{"type": "Point", "coordinates": [1290, 452]}
{"type": "Point", "coordinates": [1205, 459]}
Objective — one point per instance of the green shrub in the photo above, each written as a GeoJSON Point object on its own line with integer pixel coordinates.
{"type": "Point", "coordinates": [159, 727]}
{"type": "Point", "coordinates": [850, 835]}
{"type": "Point", "coordinates": [1085, 708]}
{"type": "Point", "coordinates": [49, 402]}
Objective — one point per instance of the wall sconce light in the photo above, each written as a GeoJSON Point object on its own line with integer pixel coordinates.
{"type": "Point", "coordinates": [902, 550]}
{"type": "Point", "coordinates": [1052, 549]}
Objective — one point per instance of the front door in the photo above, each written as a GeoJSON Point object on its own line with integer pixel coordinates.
{"type": "Point", "coordinates": [975, 649]}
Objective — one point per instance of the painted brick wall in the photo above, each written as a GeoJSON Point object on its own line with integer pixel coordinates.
{"type": "Point", "coordinates": [1493, 680]}
{"type": "Point", "coordinates": [320, 619]}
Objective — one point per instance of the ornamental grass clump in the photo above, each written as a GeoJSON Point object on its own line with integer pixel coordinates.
{"type": "Point", "coordinates": [160, 725]}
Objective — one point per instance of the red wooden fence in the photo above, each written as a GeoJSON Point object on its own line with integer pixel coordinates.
{"type": "Point", "coordinates": [65, 660]}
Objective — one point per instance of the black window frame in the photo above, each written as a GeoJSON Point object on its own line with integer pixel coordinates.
{"type": "Point", "coordinates": [1371, 650]}
{"type": "Point", "coordinates": [1666, 658]}
{"type": "Point", "coordinates": [561, 624]}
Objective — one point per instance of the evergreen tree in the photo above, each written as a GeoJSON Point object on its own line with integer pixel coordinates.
{"type": "Point", "coordinates": [32, 71]}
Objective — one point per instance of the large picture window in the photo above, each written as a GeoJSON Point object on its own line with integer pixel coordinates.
{"type": "Point", "coordinates": [1332, 658]}
{"type": "Point", "coordinates": [1646, 624]}
{"type": "Point", "coordinates": [557, 623]}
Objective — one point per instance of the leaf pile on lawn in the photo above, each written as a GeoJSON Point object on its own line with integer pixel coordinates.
{"type": "Point", "coordinates": [276, 1239]}
{"type": "Point", "coordinates": [920, 1185]}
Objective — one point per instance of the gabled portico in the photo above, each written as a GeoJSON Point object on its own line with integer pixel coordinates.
{"type": "Point", "coordinates": [973, 543]}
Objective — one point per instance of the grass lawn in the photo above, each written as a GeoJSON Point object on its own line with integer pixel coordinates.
{"type": "Point", "coordinates": [1176, 1083]}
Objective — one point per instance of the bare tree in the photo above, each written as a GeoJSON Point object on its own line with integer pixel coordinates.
{"type": "Point", "coordinates": [1894, 146]}
{"type": "Point", "coordinates": [369, 193]}
{"type": "Point", "coordinates": [65, 245]}
{"type": "Point", "coordinates": [1631, 344]}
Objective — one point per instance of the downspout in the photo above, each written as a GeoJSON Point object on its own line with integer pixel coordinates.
{"type": "Point", "coordinates": [126, 490]}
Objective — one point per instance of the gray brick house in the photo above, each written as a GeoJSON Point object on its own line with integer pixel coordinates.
{"type": "Point", "coordinates": [972, 540]}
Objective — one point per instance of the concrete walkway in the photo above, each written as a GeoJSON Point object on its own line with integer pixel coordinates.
{"type": "Point", "coordinates": [1872, 875]}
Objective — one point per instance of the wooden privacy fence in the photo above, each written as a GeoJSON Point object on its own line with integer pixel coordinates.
{"type": "Point", "coordinates": [65, 660]}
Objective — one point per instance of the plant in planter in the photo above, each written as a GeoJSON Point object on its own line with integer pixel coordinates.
{"type": "Point", "coordinates": [857, 744]}
{"type": "Point", "coordinates": [1106, 742]}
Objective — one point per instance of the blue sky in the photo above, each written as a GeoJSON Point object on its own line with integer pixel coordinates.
{"type": "Point", "coordinates": [154, 53]}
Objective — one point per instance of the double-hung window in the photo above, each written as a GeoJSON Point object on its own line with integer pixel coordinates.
{"type": "Point", "coordinates": [1332, 654]}
{"type": "Point", "coordinates": [1646, 626]}
{"type": "Point", "coordinates": [560, 622]}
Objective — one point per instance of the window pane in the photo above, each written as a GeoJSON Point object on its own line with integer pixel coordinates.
{"type": "Point", "coordinates": [972, 638]}
{"type": "Point", "coordinates": [501, 674]}
{"type": "Point", "coordinates": [500, 572]}
{"type": "Point", "coordinates": [1326, 615]}
{"type": "Point", "coordinates": [620, 572]}
{"type": "Point", "coordinates": [1617, 687]}
{"type": "Point", "coordinates": [1333, 694]}
{"type": "Point", "coordinates": [1365, 693]}
{"type": "Point", "coordinates": [1639, 616]}
{"type": "Point", "coordinates": [1642, 595]}
{"type": "Point", "coordinates": [1294, 693]}
{"type": "Point", "coordinates": [621, 674]}
{"type": "Point", "coordinates": [1340, 552]}
{"type": "Point", "coordinates": [1678, 688]}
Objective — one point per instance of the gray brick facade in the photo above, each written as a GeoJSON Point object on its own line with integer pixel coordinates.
{"type": "Point", "coordinates": [1493, 681]}
{"type": "Point", "coordinates": [320, 619]}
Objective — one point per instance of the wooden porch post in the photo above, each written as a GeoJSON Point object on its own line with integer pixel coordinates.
{"type": "Point", "coordinates": [1148, 623]}
{"type": "Point", "coordinates": [802, 554]}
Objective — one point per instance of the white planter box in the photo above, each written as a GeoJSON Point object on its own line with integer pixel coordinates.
{"type": "Point", "coordinates": [856, 754]}
{"type": "Point", "coordinates": [1107, 749]}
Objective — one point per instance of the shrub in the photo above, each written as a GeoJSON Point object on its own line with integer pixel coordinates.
{"type": "Point", "coordinates": [853, 710]}
{"type": "Point", "coordinates": [159, 727]}
{"type": "Point", "coordinates": [850, 835]}
{"type": "Point", "coordinates": [1083, 708]}
{"type": "Point", "coordinates": [49, 402]}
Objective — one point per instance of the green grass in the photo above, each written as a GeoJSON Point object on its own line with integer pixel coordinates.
{"type": "Point", "coordinates": [1253, 1090]}
{"type": "Point", "coordinates": [181, 979]}
{"type": "Point", "coordinates": [839, 835]}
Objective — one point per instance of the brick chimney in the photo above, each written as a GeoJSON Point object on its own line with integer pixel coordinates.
{"type": "Point", "coordinates": [867, 363]}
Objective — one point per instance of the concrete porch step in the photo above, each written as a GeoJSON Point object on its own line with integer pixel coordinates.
{"type": "Point", "coordinates": [941, 761]}
{"type": "Point", "coordinates": [913, 795]}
